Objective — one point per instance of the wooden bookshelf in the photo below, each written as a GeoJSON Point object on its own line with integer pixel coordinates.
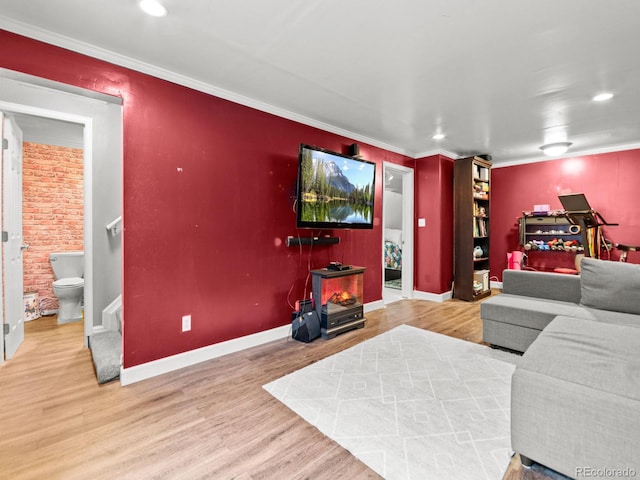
{"type": "Point", "coordinates": [471, 199]}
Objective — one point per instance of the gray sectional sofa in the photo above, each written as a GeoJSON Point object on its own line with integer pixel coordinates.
{"type": "Point", "coordinates": [575, 398]}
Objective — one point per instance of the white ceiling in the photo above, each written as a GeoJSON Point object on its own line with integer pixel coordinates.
{"type": "Point", "coordinates": [500, 77]}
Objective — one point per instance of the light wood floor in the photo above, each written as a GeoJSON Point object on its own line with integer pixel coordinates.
{"type": "Point", "coordinates": [211, 420]}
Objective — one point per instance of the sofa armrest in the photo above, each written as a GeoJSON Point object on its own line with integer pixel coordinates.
{"type": "Point", "coordinates": [551, 286]}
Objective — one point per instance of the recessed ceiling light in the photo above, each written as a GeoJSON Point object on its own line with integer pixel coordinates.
{"type": "Point", "coordinates": [601, 97]}
{"type": "Point", "coordinates": [553, 149]}
{"type": "Point", "coordinates": [153, 8]}
{"type": "Point", "coordinates": [438, 136]}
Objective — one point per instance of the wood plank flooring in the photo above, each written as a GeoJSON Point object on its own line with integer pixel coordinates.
{"type": "Point", "coordinates": [211, 420]}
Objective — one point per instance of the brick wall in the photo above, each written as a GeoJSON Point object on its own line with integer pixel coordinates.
{"type": "Point", "coordinates": [53, 210]}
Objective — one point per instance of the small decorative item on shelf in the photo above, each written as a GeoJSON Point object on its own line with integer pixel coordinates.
{"type": "Point", "coordinates": [478, 252]}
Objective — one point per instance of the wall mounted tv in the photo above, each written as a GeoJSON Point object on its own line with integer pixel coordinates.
{"type": "Point", "coordinates": [334, 190]}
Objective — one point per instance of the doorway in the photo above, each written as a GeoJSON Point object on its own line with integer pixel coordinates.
{"type": "Point", "coordinates": [397, 248]}
{"type": "Point", "coordinates": [100, 118]}
{"type": "Point", "coordinates": [53, 204]}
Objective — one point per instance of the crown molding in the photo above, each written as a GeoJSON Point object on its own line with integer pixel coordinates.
{"type": "Point", "coordinates": [439, 151]}
{"type": "Point", "coordinates": [149, 69]}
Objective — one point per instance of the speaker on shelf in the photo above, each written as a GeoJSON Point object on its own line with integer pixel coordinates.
{"type": "Point", "coordinates": [306, 327]}
{"type": "Point", "coordinates": [354, 150]}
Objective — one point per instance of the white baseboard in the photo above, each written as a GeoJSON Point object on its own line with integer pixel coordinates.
{"type": "Point", "coordinates": [98, 329]}
{"type": "Point", "coordinates": [110, 314]}
{"type": "Point", "coordinates": [497, 285]}
{"type": "Point", "coordinates": [432, 297]}
{"type": "Point", "coordinates": [192, 357]}
{"type": "Point", "coordinates": [369, 307]}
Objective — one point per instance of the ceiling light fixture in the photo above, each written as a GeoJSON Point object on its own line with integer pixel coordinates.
{"type": "Point", "coordinates": [553, 149]}
{"type": "Point", "coordinates": [438, 136]}
{"type": "Point", "coordinates": [153, 8]}
{"type": "Point", "coordinates": [602, 97]}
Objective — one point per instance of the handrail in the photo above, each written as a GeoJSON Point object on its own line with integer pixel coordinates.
{"type": "Point", "coordinates": [115, 227]}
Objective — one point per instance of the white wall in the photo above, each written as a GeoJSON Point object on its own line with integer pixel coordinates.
{"type": "Point", "coordinates": [392, 210]}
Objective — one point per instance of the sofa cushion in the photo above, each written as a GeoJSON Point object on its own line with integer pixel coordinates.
{"type": "Point", "coordinates": [592, 354]}
{"type": "Point", "coordinates": [607, 316]}
{"type": "Point", "coordinates": [610, 285]}
{"type": "Point", "coordinates": [528, 312]}
{"type": "Point", "coordinates": [552, 286]}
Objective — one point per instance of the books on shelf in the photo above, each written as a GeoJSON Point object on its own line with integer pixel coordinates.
{"type": "Point", "coordinates": [480, 227]}
{"type": "Point", "coordinates": [481, 190]}
{"type": "Point", "coordinates": [479, 210]}
{"type": "Point", "coordinates": [480, 173]}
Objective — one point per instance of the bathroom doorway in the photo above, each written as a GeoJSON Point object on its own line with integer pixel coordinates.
{"type": "Point", "coordinates": [99, 117]}
{"type": "Point", "coordinates": [52, 204]}
{"type": "Point", "coordinates": [397, 248]}
{"type": "Point", "coordinates": [48, 201]}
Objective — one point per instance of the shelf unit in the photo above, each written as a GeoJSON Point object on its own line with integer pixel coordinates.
{"type": "Point", "coordinates": [471, 200]}
{"type": "Point", "coordinates": [550, 233]}
{"type": "Point", "coordinates": [549, 241]}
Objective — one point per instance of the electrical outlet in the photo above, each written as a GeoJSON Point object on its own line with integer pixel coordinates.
{"type": "Point", "coordinates": [186, 323]}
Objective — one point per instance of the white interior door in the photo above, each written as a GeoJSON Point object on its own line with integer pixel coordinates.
{"type": "Point", "coordinates": [12, 235]}
{"type": "Point", "coordinates": [398, 215]}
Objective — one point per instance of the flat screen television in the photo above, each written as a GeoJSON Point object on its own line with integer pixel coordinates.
{"type": "Point", "coordinates": [334, 190]}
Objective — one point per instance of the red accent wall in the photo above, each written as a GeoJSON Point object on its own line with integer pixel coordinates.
{"type": "Point", "coordinates": [610, 181]}
{"type": "Point", "coordinates": [208, 191]}
{"type": "Point", "coordinates": [434, 242]}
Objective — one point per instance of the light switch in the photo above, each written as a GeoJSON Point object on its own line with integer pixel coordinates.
{"type": "Point", "coordinates": [422, 222]}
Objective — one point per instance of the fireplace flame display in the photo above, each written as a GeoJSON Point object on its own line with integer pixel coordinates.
{"type": "Point", "coordinates": [343, 298]}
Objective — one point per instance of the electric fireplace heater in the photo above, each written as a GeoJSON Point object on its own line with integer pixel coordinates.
{"type": "Point", "coordinates": [338, 299]}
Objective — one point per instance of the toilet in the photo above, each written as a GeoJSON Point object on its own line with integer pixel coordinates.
{"type": "Point", "coordinates": [68, 287]}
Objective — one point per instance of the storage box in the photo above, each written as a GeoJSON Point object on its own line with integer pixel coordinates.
{"type": "Point", "coordinates": [482, 277]}
{"type": "Point", "coordinates": [31, 310]}
{"type": "Point", "coordinates": [541, 208]}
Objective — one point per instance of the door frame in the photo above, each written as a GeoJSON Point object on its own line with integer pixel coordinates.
{"type": "Point", "coordinates": [87, 123]}
{"type": "Point", "coordinates": [407, 175]}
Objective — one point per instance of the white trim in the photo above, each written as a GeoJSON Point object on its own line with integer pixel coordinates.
{"type": "Point", "coordinates": [181, 360]}
{"type": "Point", "coordinates": [98, 329]}
{"type": "Point", "coordinates": [494, 284]}
{"type": "Point", "coordinates": [88, 228]}
{"type": "Point", "coordinates": [133, 64]}
{"type": "Point", "coordinates": [433, 297]}
{"type": "Point", "coordinates": [57, 87]}
{"type": "Point", "coordinates": [110, 315]}
{"type": "Point", "coordinates": [408, 198]}
{"type": "Point", "coordinates": [439, 151]}
{"type": "Point", "coordinates": [371, 306]}
{"type": "Point", "coordinates": [186, 359]}
{"type": "Point", "coordinates": [87, 122]}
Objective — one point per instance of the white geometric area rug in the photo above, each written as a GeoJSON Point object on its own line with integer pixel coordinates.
{"type": "Point", "coordinates": [411, 404]}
